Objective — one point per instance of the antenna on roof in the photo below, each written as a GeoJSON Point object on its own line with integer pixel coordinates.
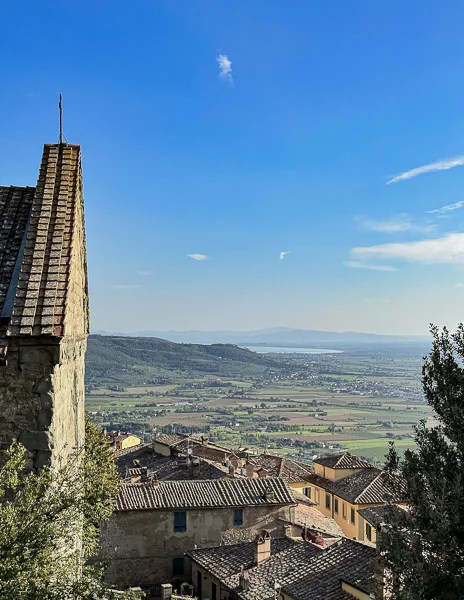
{"type": "Point", "coordinates": [60, 106]}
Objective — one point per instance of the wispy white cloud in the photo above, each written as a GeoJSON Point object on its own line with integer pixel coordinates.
{"type": "Point", "coordinates": [198, 256]}
{"type": "Point", "coordinates": [397, 223]}
{"type": "Point", "coordinates": [225, 68]}
{"type": "Point", "coordinates": [144, 273]}
{"type": "Point", "coordinates": [459, 285]}
{"type": "Point", "coordinates": [355, 264]}
{"type": "Point", "coordinates": [439, 165]}
{"type": "Point", "coordinates": [448, 249]}
{"type": "Point", "coordinates": [447, 208]}
{"type": "Point", "coordinates": [125, 287]}
{"type": "Point", "coordinates": [282, 255]}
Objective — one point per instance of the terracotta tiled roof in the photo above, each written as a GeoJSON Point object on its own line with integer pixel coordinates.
{"type": "Point", "coordinates": [278, 466]}
{"type": "Point", "coordinates": [204, 494]}
{"type": "Point", "coordinates": [343, 461]}
{"type": "Point", "coordinates": [166, 468]}
{"type": "Point", "coordinates": [170, 439]}
{"type": "Point", "coordinates": [321, 577]}
{"type": "Point", "coordinates": [224, 561]}
{"type": "Point", "coordinates": [369, 486]}
{"type": "Point", "coordinates": [377, 515]}
{"type": "Point", "coordinates": [15, 209]}
{"type": "Point", "coordinates": [51, 224]}
{"type": "Point", "coordinates": [262, 578]}
{"type": "Point", "coordinates": [315, 520]}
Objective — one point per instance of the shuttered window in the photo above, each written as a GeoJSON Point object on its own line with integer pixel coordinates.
{"type": "Point", "coordinates": [180, 520]}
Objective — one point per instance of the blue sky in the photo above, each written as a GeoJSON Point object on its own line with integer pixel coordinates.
{"type": "Point", "coordinates": [240, 130]}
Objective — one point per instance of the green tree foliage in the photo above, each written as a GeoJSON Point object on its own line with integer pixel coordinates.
{"type": "Point", "coordinates": [423, 548]}
{"type": "Point", "coordinates": [49, 523]}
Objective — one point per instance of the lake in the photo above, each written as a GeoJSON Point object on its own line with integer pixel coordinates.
{"type": "Point", "coordinates": [289, 350]}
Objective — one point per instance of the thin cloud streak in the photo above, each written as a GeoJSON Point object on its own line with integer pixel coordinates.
{"type": "Point", "coordinates": [439, 165]}
{"type": "Point", "coordinates": [198, 256]}
{"type": "Point", "coordinates": [354, 264]}
{"type": "Point", "coordinates": [448, 208]}
{"type": "Point", "coordinates": [395, 224]}
{"type": "Point", "coordinates": [282, 255]}
{"type": "Point", "coordinates": [143, 273]}
{"type": "Point", "coordinates": [448, 249]}
{"type": "Point", "coordinates": [225, 68]}
{"type": "Point", "coordinates": [459, 285]}
{"type": "Point", "coordinates": [126, 287]}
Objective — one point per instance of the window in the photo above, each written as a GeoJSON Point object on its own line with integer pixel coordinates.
{"type": "Point", "coordinates": [368, 532]}
{"type": "Point", "coordinates": [307, 492]}
{"type": "Point", "coordinates": [238, 517]}
{"type": "Point", "coordinates": [213, 591]}
{"type": "Point", "coordinates": [327, 501]}
{"type": "Point", "coordinates": [352, 519]}
{"type": "Point", "coordinates": [344, 510]}
{"type": "Point", "coordinates": [336, 505]}
{"type": "Point", "coordinates": [180, 520]}
{"type": "Point", "coordinates": [177, 566]}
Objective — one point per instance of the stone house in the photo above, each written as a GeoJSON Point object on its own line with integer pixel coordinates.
{"type": "Point", "coordinates": [155, 523]}
{"type": "Point", "coordinates": [267, 569]}
{"type": "Point", "coordinates": [44, 317]}
{"type": "Point", "coordinates": [343, 485]}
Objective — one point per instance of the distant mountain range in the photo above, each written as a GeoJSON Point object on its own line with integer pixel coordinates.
{"type": "Point", "coordinates": [275, 336]}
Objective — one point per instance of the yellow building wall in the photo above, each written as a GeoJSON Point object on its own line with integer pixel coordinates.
{"type": "Point", "coordinates": [130, 441]}
{"type": "Point", "coordinates": [333, 474]}
{"type": "Point", "coordinates": [299, 486]}
{"type": "Point", "coordinates": [352, 530]}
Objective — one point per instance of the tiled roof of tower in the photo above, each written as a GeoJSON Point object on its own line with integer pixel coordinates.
{"type": "Point", "coordinates": [343, 461]}
{"type": "Point", "coordinates": [42, 294]}
{"type": "Point", "coordinates": [216, 493]}
{"type": "Point", "coordinates": [15, 209]}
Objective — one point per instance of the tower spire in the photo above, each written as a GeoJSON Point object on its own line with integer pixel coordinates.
{"type": "Point", "coordinates": [60, 106]}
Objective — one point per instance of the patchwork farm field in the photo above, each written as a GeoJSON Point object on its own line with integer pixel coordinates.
{"type": "Point", "coordinates": [358, 400]}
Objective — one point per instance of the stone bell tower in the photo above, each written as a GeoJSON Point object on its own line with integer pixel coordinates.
{"type": "Point", "coordinates": [44, 316]}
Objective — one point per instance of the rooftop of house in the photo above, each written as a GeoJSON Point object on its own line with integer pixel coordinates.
{"type": "Point", "coordinates": [343, 461]}
{"type": "Point", "coordinates": [306, 516]}
{"type": "Point", "coordinates": [304, 570]}
{"type": "Point", "coordinates": [321, 577]}
{"type": "Point", "coordinates": [377, 515]}
{"type": "Point", "coordinates": [216, 493]}
{"type": "Point", "coordinates": [224, 561]}
{"type": "Point", "coordinates": [167, 468]}
{"type": "Point", "coordinates": [42, 228]}
{"type": "Point", "coordinates": [369, 486]}
{"type": "Point", "coordinates": [278, 466]}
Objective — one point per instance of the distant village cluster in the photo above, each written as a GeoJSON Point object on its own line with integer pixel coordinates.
{"type": "Point", "coordinates": [195, 518]}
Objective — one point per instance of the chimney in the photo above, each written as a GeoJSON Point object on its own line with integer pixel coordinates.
{"type": "Point", "coordinates": [269, 495]}
{"type": "Point", "coordinates": [144, 475]}
{"type": "Point", "coordinates": [166, 591]}
{"type": "Point", "coordinates": [250, 470]}
{"type": "Point", "coordinates": [262, 547]}
{"type": "Point", "coordinates": [243, 581]}
{"type": "Point", "coordinates": [231, 470]}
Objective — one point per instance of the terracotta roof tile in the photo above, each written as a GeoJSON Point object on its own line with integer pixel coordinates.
{"type": "Point", "coordinates": [38, 226]}
{"type": "Point", "coordinates": [343, 461]}
{"type": "Point", "coordinates": [204, 494]}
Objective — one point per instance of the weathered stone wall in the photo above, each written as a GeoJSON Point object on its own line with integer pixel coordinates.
{"type": "Point", "coordinates": [140, 545]}
{"type": "Point", "coordinates": [42, 397]}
